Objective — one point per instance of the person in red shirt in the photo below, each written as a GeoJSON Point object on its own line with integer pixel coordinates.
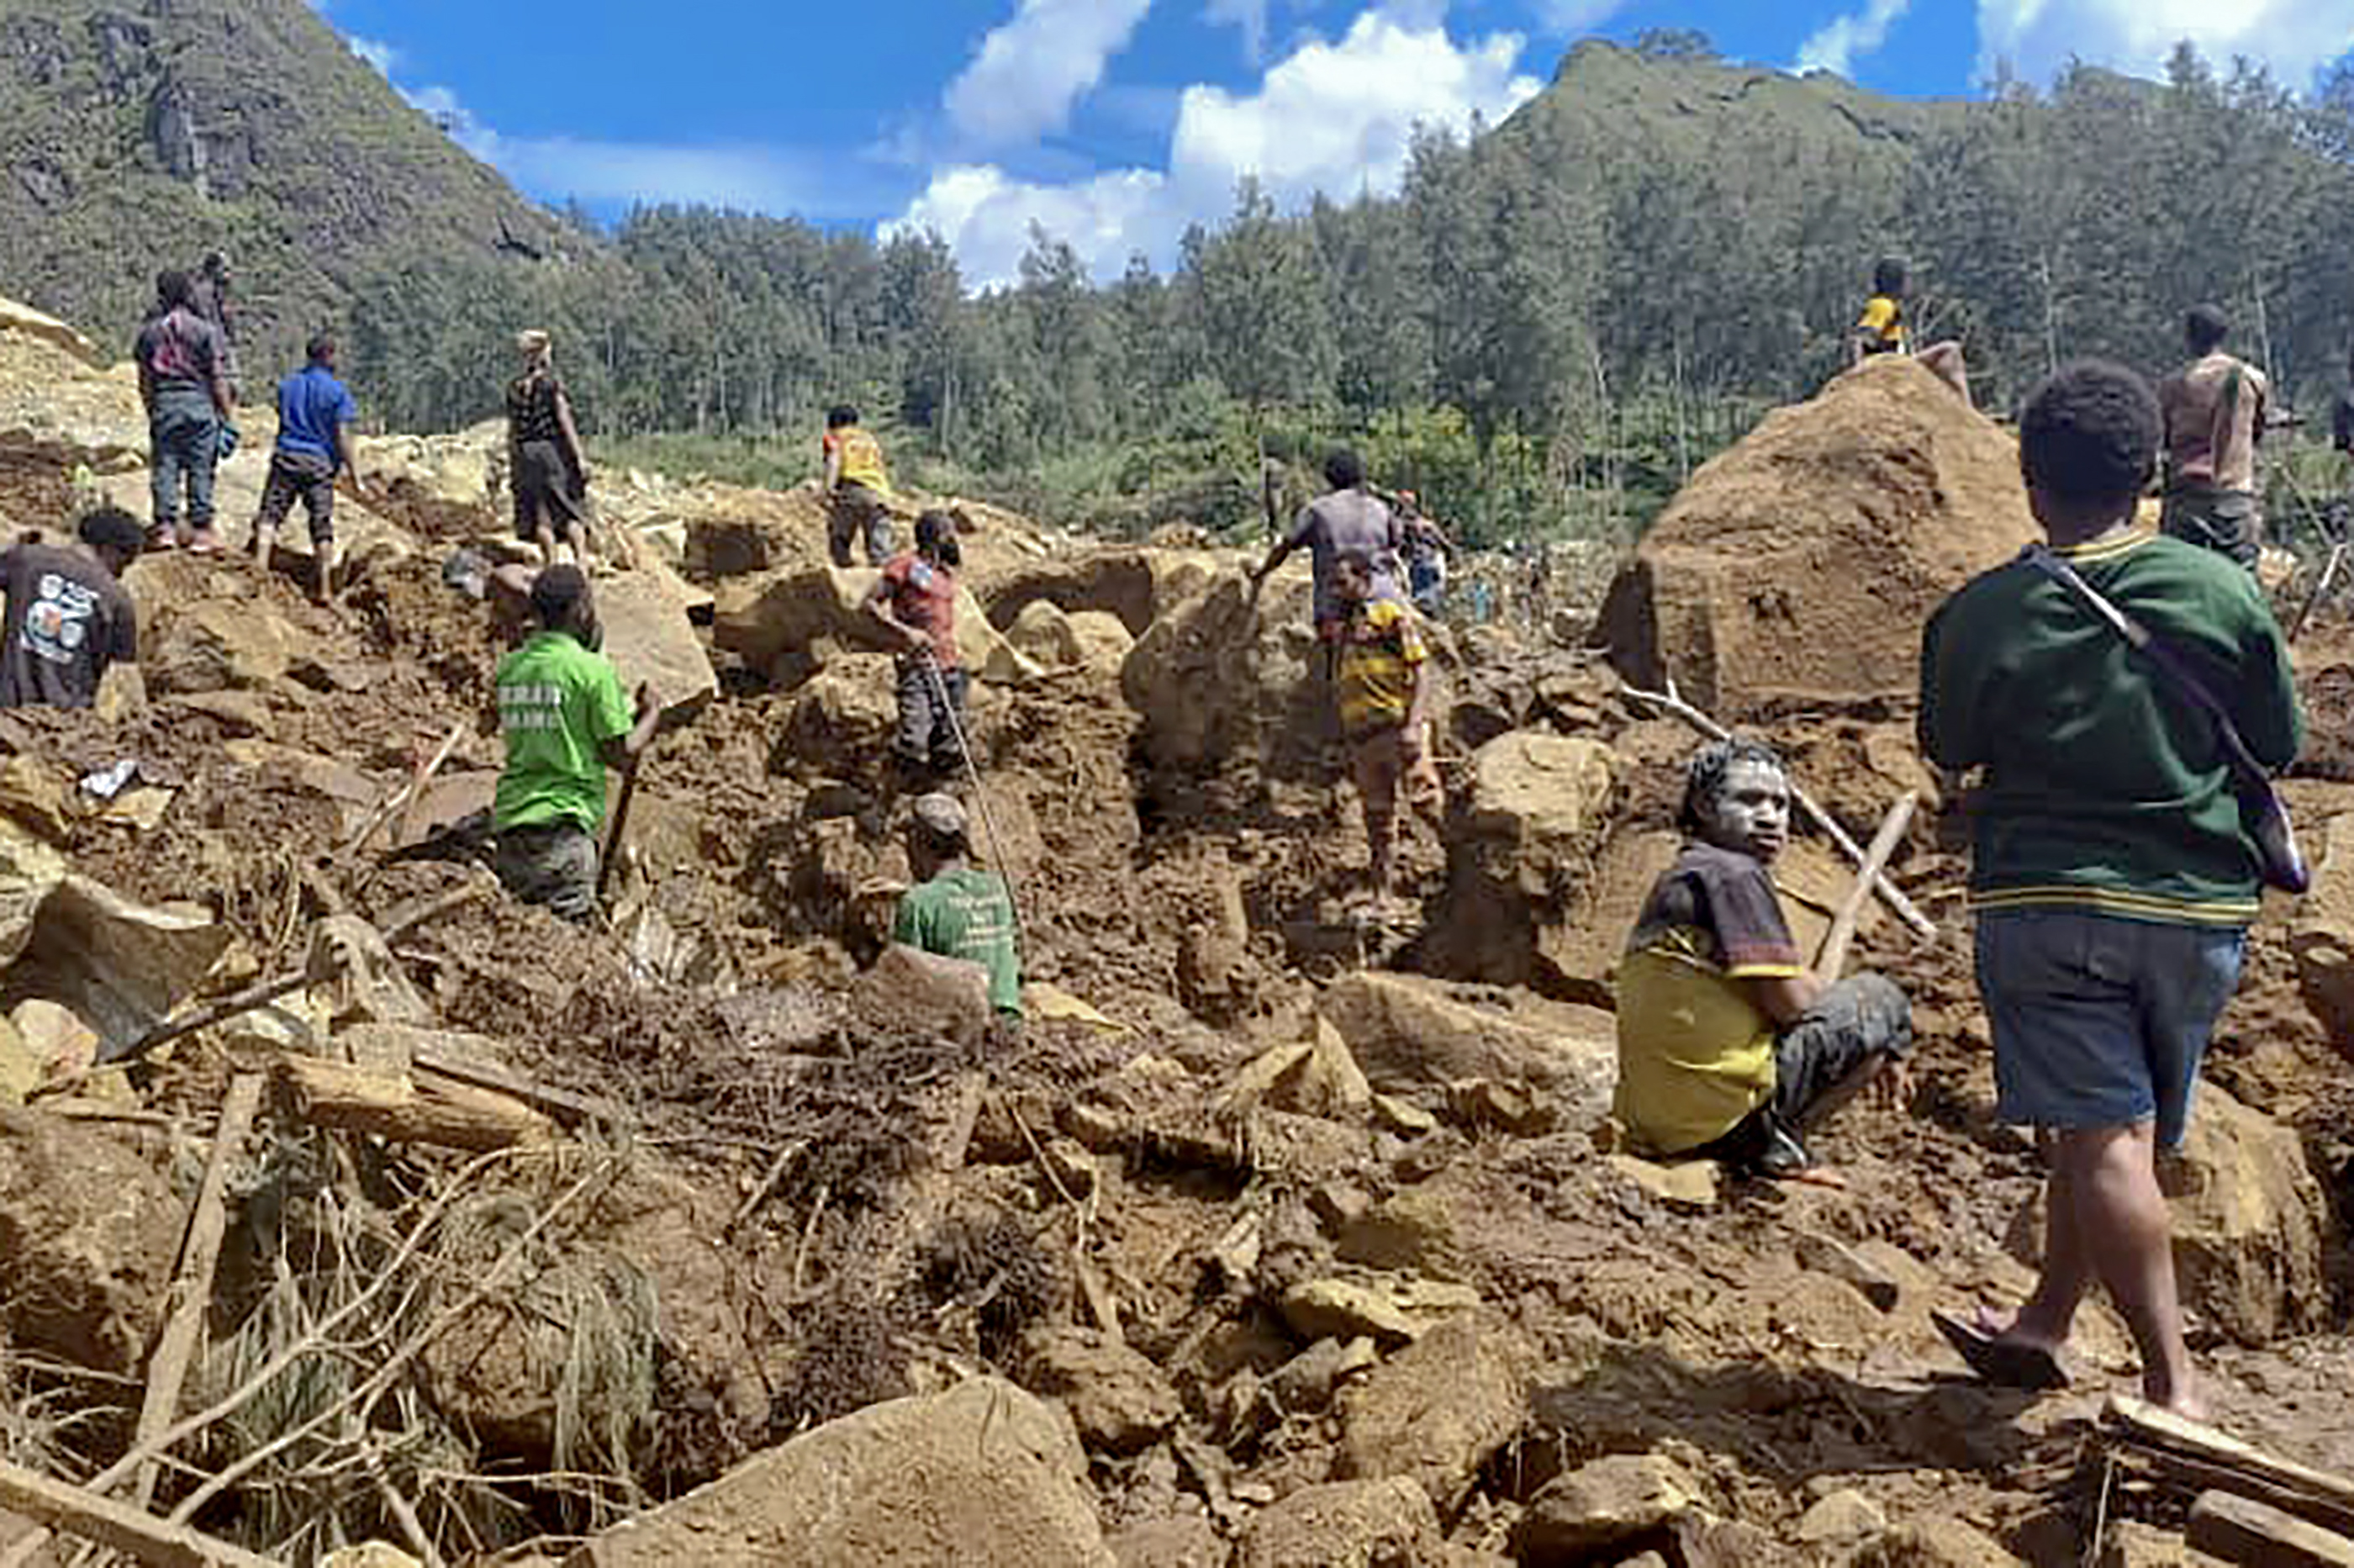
{"type": "Point", "coordinates": [916, 598]}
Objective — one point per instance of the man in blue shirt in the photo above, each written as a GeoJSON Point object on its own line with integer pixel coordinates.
{"type": "Point", "coordinates": [315, 412]}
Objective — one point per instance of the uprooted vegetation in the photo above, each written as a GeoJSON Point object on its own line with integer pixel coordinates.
{"type": "Point", "coordinates": [1280, 1236]}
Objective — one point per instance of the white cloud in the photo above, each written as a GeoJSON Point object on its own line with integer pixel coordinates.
{"type": "Point", "coordinates": [1030, 72]}
{"type": "Point", "coordinates": [1834, 47]}
{"type": "Point", "coordinates": [382, 55]}
{"type": "Point", "coordinates": [1250, 15]}
{"type": "Point", "coordinates": [2038, 37]}
{"type": "Point", "coordinates": [1336, 117]}
{"type": "Point", "coordinates": [1568, 18]}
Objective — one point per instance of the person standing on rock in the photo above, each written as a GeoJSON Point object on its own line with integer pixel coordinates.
{"type": "Point", "coordinates": [69, 619]}
{"type": "Point", "coordinates": [1383, 687]}
{"type": "Point", "coordinates": [2113, 880]}
{"type": "Point", "coordinates": [956, 910]}
{"type": "Point", "coordinates": [565, 721]}
{"type": "Point", "coordinates": [183, 384]}
{"type": "Point", "coordinates": [1883, 329]}
{"type": "Point", "coordinates": [2214, 410]}
{"type": "Point", "coordinates": [914, 601]}
{"type": "Point", "coordinates": [546, 464]}
{"type": "Point", "coordinates": [1351, 518]}
{"type": "Point", "coordinates": [1428, 551]}
{"type": "Point", "coordinates": [1730, 1047]}
{"type": "Point", "coordinates": [315, 415]}
{"type": "Point", "coordinates": [856, 488]}
{"type": "Point", "coordinates": [213, 291]}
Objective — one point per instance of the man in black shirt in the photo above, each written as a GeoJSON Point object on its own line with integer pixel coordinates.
{"type": "Point", "coordinates": [67, 617]}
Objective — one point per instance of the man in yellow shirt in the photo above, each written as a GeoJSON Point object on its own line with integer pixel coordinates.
{"type": "Point", "coordinates": [1883, 329]}
{"type": "Point", "coordinates": [856, 488]}
{"type": "Point", "coordinates": [1383, 688]}
{"type": "Point", "coordinates": [1729, 1046]}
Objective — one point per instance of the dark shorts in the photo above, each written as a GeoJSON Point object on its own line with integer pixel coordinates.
{"type": "Point", "coordinates": [857, 516]}
{"type": "Point", "coordinates": [554, 865]}
{"type": "Point", "coordinates": [931, 714]}
{"type": "Point", "coordinates": [1856, 1021]}
{"type": "Point", "coordinates": [312, 479]}
{"type": "Point", "coordinates": [2100, 1022]}
{"type": "Point", "coordinates": [544, 484]}
{"type": "Point", "coordinates": [2227, 521]}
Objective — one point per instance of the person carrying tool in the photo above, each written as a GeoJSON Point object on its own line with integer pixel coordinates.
{"type": "Point", "coordinates": [69, 618]}
{"type": "Point", "coordinates": [183, 384]}
{"type": "Point", "coordinates": [1883, 329]}
{"type": "Point", "coordinates": [914, 601]}
{"type": "Point", "coordinates": [315, 414]}
{"type": "Point", "coordinates": [1383, 688]}
{"type": "Point", "coordinates": [2114, 876]}
{"type": "Point", "coordinates": [565, 721]}
{"type": "Point", "coordinates": [1730, 1046]}
{"type": "Point", "coordinates": [856, 488]}
{"type": "Point", "coordinates": [546, 465]}
{"type": "Point", "coordinates": [2214, 411]}
{"type": "Point", "coordinates": [1351, 518]}
{"type": "Point", "coordinates": [957, 910]}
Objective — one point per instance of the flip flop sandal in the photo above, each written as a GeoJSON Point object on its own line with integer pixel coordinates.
{"type": "Point", "coordinates": [2006, 1363]}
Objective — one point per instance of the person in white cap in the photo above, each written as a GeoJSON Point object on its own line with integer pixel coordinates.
{"type": "Point", "coordinates": [956, 910]}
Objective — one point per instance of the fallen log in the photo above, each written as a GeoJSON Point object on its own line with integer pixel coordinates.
{"type": "Point", "coordinates": [2243, 1531]}
{"type": "Point", "coordinates": [2201, 1459]}
{"type": "Point", "coordinates": [118, 1526]}
{"type": "Point", "coordinates": [408, 1107]}
{"type": "Point", "coordinates": [562, 1104]}
{"type": "Point", "coordinates": [1674, 706]}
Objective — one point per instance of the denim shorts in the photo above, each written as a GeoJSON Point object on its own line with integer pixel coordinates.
{"type": "Point", "coordinates": [2098, 1021]}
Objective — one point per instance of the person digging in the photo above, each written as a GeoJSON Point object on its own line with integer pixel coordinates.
{"type": "Point", "coordinates": [1730, 1047]}
{"type": "Point", "coordinates": [957, 910]}
{"type": "Point", "coordinates": [1382, 687]}
{"type": "Point", "coordinates": [565, 721]}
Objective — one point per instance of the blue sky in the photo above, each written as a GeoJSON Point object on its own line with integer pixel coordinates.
{"type": "Point", "coordinates": [1114, 124]}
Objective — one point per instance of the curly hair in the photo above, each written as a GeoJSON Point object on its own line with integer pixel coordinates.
{"type": "Point", "coordinates": [1704, 777]}
{"type": "Point", "coordinates": [2090, 434]}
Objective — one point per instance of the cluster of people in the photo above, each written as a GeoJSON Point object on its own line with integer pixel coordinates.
{"type": "Point", "coordinates": [2117, 861]}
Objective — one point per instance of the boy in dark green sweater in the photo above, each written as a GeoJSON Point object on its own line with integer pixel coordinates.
{"type": "Point", "coordinates": [2113, 881]}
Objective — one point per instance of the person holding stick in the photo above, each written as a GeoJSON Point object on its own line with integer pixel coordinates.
{"type": "Point", "coordinates": [1730, 1047]}
{"type": "Point", "coordinates": [2113, 873]}
{"type": "Point", "coordinates": [914, 601]}
{"type": "Point", "coordinates": [566, 721]}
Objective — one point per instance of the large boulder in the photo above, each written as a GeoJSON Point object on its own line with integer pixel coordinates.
{"type": "Point", "coordinates": [1748, 591]}
{"type": "Point", "coordinates": [119, 966]}
{"type": "Point", "coordinates": [789, 625]}
{"type": "Point", "coordinates": [221, 644]}
{"type": "Point", "coordinates": [983, 1473]}
{"type": "Point", "coordinates": [1120, 1401]}
{"type": "Point", "coordinates": [1229, 677]}
{"type": "Point", "coordinates": [56, 402]}
{"type": "Point", "coordinates": [1137, 585]}
{"type": "Point", "coordinates": [1600, 1512]}
{"type": "Point", "coordinates": [1439, 1409]}
{"type": "Point", "coordinates": [650, 639]}
{"type": "Point", "coordinates": [2249, 1224]}
{"type": "Point", "coordinates": [90, 1229]}
{"type": "Point", "coordinates": [29, 872]}
{"type": "Point", "coordinates": [2323, 935]}
{"type": "Point", "coordinates": [839, 724]}
{"type": "Point", "coordinates": [1091, 639]}
{"type": "Point", "coordinates": [1425, 1040]}
{"type": "Point", "coordinates": [1521, 856]}
{"type": "Point", "coordinates": [1347, 1524]}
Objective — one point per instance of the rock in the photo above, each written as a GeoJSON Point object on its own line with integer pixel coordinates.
{"type": "Point", "coordinates": [791, 624]}
{"type": "Point", "coordinates": [1052, 640]}
{"type": "Point", "coordinates": [1388, 1308]}
{"type": "Point", "coordinates": [1120, 1401]}
{"type": "Point", "coordinates": [1522, 855]}
{"type": "Point", "coordinates": [374, 1554]}
{"type": "Point", "coordinates": [2133, 1545]}
{"type": "Point", "coordinates": [1844, 1516]}
{"type": "Point", "coordinates": [1224, 676]}
{"type": "Point", "coordinates": [220, 644]}
{"type": "Point", "coordinates": [29, 872]}
{"type": "Point", "coordinates": [840, 724]}
{"type": "Point", "coordinates": [1313, 1077]}
{"type": "Point", "coordinates": [1416, 1038]}
{"type": "Point", "coordinates": [2322, 934]}
{"type": "Point", "coordinates": [24, 321]}
{"type": "Point", "coordinates": [650, 639]}
{"type": "Point", "coordinates": [1689, 1184]}
{"type": "Point", "coordinates": [90, 1232]}
{"type": "Point", "coordinates": [983, 1473]}
{"type": "Point", "coordinates": [244, 714]}
{"type": "Point", "coordinates": [32, 796]}
{"type": "Point", "coordinates": [21, 1070]}
{"type": "Point", "coordinates": [1938, 1543]}
{"type": "Point", "coordinates": [1217, 977]}
{"type": "Point", "coordinates": [1132, 586]}
{"type": "Point", "coordinates": [119, 966]}
{"type": "Point", "coordinates": [913, 992]}
{"type": "Point", "coordinates": [62, 1044]}
{"type": "Point", "coordinates": [1437, 1410]}
{"type": "Point", "coordinates": [1180, 1541]}
{"type": "Point", "coordinates": [1612, 1502]}
{"type": "Point", "coordinates": [366, 983]}
{"type": "Point", "coordinates": [1347, 1524]}
{"type": "Point", "coordinates": [1413, 1231]}
{"type": "Point", "coordinates": [1305, 1384]}
{"type": "Point", "coordinates": [2249, 1223]}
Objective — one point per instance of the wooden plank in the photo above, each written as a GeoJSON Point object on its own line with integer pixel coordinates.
{"type": "Point", "coordinates": [2145, 1424]}
{"type": "Point", "coordinates": [118, 1526]}
{"type": "Point", "coordinates": [404, 1109]}
{"type": "Point", "coordinates": [2243, 1531]}
{"type": "Point", "coordinates": [562, 1104]}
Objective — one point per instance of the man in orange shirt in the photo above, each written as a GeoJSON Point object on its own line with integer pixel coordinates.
{"type": "Point", "coordinates": [2214, 411]}
{"type": "Point", "coordinates": [857, 489]}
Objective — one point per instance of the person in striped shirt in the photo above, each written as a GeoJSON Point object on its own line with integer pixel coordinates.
{"type": "Point", "coordinates": [1382, 683]}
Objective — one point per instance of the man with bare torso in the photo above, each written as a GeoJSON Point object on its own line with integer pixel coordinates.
{"type": "Point", "coordinates": [2214, 412]}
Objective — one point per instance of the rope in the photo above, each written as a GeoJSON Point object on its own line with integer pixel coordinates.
{"type": "Point", "coordinates": [979, 798]}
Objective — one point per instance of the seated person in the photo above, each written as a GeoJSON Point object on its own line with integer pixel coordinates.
{"type": "Point", "coordinates": [1884, 329]}
{"type": "Point", "coordinates": [68, 617]}
{"type": "Point", "coordinates": [956, 910]}
{"type": "Point", "coordinates": [1729, 1046]}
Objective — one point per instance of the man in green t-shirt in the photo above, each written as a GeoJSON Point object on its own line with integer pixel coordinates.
{"type": "Point", "coordinates": [565, 721]}
{"type": "Point", "coordinates": [2111, 877]}
{"type": "Point", "coordinates": [956, 910]}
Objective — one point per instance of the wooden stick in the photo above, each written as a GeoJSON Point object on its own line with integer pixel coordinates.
{"type": "Point", "coordinates": [399, 799]}
{"type": "Point", "coordinates": [1833, 957]}
{"type": "Point", "coordinates": [1675, 707]}
{"type": "Point", "coordinates": [408, 1107]}
{"type": "Point", "coordinates": [192, 1287]}
{"type": "Point", "coordinates": [770, 1182]}
{"type": "Point", "coordinates": [2241, 1530]}
{"type": "Point", "coordinates": [118, 1526]}
{"type": "Point", "coordinates": [620, 823]}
